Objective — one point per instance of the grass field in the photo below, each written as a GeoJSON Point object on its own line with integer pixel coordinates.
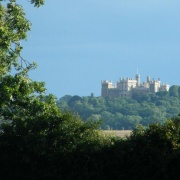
{"type": "Point", "coordinates": [119, 133]}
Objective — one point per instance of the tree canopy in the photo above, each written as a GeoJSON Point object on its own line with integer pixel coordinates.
{"type": "Point", "coordinates": [125, 112]}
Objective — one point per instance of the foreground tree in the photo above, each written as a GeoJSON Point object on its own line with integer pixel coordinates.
{"type": "Point", "coordinates": [33, 131]}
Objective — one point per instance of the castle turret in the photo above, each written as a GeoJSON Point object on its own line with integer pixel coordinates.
{"type": "Point", "coordinates": [148, 79]}
{"type": "Point", "coordinates": [138, 80]}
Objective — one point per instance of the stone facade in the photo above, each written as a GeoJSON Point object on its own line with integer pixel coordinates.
{"type": "Point", "coordinates": [127, 86]}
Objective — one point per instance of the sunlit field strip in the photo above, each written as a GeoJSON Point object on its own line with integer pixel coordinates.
{"type": "Point", "coordinates": [119, 133]}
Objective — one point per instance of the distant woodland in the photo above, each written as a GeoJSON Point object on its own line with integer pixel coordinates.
{"type": "Point", "coordinates": [125, 112]}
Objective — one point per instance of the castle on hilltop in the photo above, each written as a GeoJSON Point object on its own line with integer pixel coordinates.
{"type": "Point", "coordinates": [128, 86]}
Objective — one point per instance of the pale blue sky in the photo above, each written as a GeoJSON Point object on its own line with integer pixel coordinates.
{"type": "Point", "coordinates": [78, 43]}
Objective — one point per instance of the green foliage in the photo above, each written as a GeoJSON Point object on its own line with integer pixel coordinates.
{"type": "Point", "coordinates": [37, 3]}
{"type": "Point", "coordinates": [76, 151]}
{"type": "Point", "coordinates": [156, 147]}
{"type": "Point", "coordinates": [125, 112]}
{"type": "Point", "coordinates": [174, 91]}
{"type": "Point", "coordinates": [13, 29]}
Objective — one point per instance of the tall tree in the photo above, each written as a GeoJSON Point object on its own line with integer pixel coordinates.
{"type": "Point", "coordinates": [17, 91]}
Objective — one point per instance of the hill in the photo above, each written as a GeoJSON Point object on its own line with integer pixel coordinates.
{"type": "Point", "coordinates": [124, 113]}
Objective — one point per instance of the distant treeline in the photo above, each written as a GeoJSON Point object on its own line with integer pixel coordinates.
{"type": "Point", "coordinates": [125, 112]}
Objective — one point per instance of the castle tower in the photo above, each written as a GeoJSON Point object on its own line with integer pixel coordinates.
{"type": "Point", "coordinates": [138, 80]}
{"type": "Point", "coordinates": [159, 83]}
{"type": "Point", "coordinates": [148, 79]}
{"type": "Point", "coordinates": [105, 86]}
